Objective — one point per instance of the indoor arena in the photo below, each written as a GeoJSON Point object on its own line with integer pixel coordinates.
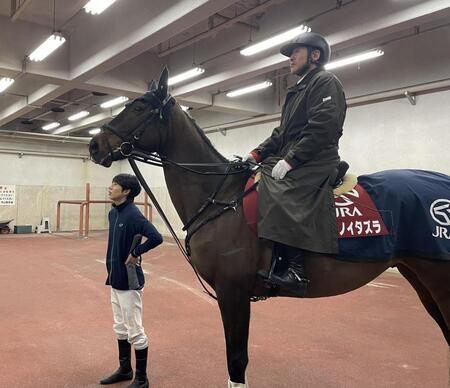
{"type": "Point", "coordinates": [222, 193]}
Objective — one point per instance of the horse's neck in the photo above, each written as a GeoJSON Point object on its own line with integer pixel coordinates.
{"type": "Point", "coordinates": [188, 190]}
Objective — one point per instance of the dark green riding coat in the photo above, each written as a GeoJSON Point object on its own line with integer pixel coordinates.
{"type": "Point", "coordinates": [298, 210]}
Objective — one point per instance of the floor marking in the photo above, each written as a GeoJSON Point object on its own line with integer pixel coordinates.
{"type": "Point", "coordinates": [385, 284]}
{"type": "Point", "coordinates": [381, 285]}
{"type": "Point", "coordinates": [393, 270]}
{"type": "Point", "coordinates": [375, 285]}
{"type": "Point", "coordinates": [190, 289]}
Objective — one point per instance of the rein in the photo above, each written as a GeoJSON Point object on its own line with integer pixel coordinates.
{"type": "Point", "coordinates": [186, 251]}
{"type": "Point", "coordinates": [127, 149]}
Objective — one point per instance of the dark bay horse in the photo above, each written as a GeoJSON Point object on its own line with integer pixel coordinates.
{"type": "Point", "coordinates": [225, 253]}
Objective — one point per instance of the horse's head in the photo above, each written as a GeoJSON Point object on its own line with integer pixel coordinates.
{"type": "Point", "coordinates": [118, 138]}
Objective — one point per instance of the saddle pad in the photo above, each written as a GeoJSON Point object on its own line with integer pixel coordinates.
{"type": "Point", "coordinates": [357, 216]}
{"type": "Point", "coordinates": [414, 206]}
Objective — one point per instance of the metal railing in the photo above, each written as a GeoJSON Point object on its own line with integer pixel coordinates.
{"type": "Point", "coordinates": [83, 230]}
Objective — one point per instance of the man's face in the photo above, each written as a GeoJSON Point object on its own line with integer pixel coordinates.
{"type": "Point", "coordinates": [298, 61]}
{"type": "Point", "coordinates": [116, 193]}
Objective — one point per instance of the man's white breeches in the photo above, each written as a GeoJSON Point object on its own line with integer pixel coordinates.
{"type": "Point", "coordinates": [127, 314]}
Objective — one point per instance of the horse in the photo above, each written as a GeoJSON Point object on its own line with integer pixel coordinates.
{"type": "Point", "coordinates": [226, 254]}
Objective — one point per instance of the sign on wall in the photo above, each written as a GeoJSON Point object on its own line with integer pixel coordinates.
{"type": "Point", "coordinates": [7, 195]}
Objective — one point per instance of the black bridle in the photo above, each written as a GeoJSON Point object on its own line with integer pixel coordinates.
{"type": "Point", "coordinates": [129, 141]}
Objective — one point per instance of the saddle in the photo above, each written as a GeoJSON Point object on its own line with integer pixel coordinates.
{"type": "Point", "coordinates": [338, 176]}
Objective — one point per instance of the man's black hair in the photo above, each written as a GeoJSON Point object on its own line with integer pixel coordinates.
{"type": "Point", "coordinates": [128, 182]}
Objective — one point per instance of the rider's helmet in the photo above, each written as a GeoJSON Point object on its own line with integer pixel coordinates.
{"type": "Point", "coordinates": [312, 41]}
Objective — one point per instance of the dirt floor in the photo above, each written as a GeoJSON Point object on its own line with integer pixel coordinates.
{"type": "Point", "coordinates": [56, 327]}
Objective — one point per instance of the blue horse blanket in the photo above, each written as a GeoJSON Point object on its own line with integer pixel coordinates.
{"type": "Point", "coordinates": [415, 207]}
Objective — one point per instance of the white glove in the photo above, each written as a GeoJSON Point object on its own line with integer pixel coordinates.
{"type": "Point", "coordinates": [249, 158]}
{"type": "Point", "coordinates": [281, 169]}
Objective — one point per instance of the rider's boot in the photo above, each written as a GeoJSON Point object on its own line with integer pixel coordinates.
{"type": "Point", "coordinates": [124, 372]}
{"type": "Point", "coordinates": [292, 280]}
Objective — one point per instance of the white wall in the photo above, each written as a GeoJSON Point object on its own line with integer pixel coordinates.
{"type": "Point", "coordinates": [41, 181]}
{"type": "Point", "coordinates": [384, 135]}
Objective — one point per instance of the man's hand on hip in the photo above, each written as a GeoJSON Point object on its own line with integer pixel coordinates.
{"type": "Point", "coordinates": [281, 169]}
{"type": "Point", "coordinates": [132, 260]}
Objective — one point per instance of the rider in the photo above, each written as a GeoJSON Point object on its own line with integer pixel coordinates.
{"type": "Point", "coordinates": [296, 205]}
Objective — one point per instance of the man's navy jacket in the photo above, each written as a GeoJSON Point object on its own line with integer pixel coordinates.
{"type": "Point", "coordinates": [125, 221]}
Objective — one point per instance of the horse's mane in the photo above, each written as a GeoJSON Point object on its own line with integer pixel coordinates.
{"type": "Point", "coordinates": [206, 139]}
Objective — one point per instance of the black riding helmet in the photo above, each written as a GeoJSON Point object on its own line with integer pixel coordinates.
{"type": "Point", "coordinates": [311, 40]}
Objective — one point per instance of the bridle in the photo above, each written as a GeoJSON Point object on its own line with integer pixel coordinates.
{"type": "Point", "coordinates": [130, 140]}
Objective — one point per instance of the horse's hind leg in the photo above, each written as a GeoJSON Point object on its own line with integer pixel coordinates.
{"type": "Point", "coordinates": [427, 300]}
{"type": "Point", "coordinates": [433, 290]}
{"type": "Point", "coordinates": [234, 305]}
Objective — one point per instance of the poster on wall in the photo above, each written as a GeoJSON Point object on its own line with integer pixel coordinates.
{"type": "Point", "coordinates": [7, 195]}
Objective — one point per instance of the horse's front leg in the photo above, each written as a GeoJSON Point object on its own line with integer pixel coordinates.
{"type": "Point", "coordinates": [234, 303]}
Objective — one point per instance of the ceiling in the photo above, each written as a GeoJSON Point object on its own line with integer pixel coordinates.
{"type": "Point", "coordinates": [120, 51]}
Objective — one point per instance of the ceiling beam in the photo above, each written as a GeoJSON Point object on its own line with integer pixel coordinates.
{"type": "Point", "coordinates": [17, 9]}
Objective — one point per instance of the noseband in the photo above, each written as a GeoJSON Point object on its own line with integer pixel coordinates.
{"type": "Point", "coordinates": [159, 113]}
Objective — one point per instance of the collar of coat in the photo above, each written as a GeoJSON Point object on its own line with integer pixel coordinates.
{"type": "Point", "coordinates": [302, 84]}
{"type": "Point", "coordinates": [122, 205]}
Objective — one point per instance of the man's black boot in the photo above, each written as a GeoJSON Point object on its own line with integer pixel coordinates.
{"type": "Point", "coordinates": [124, 372]}
{"type": "Point", "coordinates": [292, 281]}
{"type": "Point", "coordinates": [140, 380]}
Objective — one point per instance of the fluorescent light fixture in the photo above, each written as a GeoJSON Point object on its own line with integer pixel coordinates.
{"type": "Point", "coordinates": [50, 126]}
{"type": "Point", "coordinates": [354, 59]}
{"type": "Point", "coordinates": [5, 83]}
{"type": "Point", "coordinates": [96, 7]}
{"type": "Point", "coordinates": [114, 102]}
{"type": "Point", "coordinates": [51, 44]}
{"type": "Point", "coordinates": [275, 41]}
{"type": "Point", "coordinates": [94, 131]}
{"type": "Point", "coordinates": [186, 75]}
{"type": "Point", "coordinates": [79, 115]}
{"type": "Point", "coordinates": [249, 89]}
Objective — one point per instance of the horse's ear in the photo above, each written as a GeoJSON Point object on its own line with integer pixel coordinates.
{"type": "Point", "coordinates": [162, 84]}
{"type": "Point", "coordinates": [152, 86]}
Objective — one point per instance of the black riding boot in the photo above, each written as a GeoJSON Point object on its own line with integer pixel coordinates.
{"type": "Point", "coordinates": [124, 372]}
{"type": "Point", "coordinates": [293, 279]}
{"type": "Point", "coordinates": [140, 380]}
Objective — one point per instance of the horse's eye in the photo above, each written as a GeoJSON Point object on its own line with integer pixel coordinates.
{"type": "Point", "coordinates": [138, 109]}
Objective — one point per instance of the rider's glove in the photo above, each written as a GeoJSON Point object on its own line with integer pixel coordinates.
{"type": "Point", "coordinates": [281, 169]}
{"type": "Point", "coordinates": [249, 158]}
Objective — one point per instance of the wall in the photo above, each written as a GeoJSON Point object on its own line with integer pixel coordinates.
{"type": "Point", "coordinates": [43, 180]}
{"type": "Point", "coordinates": [384, 135]}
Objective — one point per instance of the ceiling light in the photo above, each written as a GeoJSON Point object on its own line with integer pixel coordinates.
{"type": "Point", "coordinates": [249, 89]}
{"type": "Point", "coordinates": [5, 83]}
{"type": "Point", "coordinates": [94, 131]}
{"type": "Point", "coordinates": [275, 41]}
{"type": "Point", "coordinates": [114, 102]}
{"type": "Point", "coordinates": [186, 75]}
{"type": "Point", "coordinates": [96, 7]}
{"type": "Point", "coordinates": [354, 59]}
{"type": "Point", "coordinates": [51, 126]}
{"type": "Point", "coordinates": [51, 44]}
{"type": "Point", "coordinates": [79, 115]}
{"type": "Point", "coordinates": [184, 107]}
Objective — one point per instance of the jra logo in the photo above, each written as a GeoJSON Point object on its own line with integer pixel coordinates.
{"type": "Point", "coordinates": [440, 211]}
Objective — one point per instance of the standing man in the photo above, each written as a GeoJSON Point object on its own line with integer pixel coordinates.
{"type": "Point", "coordinates": [296, 204]}
{"type": "Point", "coordinates": [126, 278]}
